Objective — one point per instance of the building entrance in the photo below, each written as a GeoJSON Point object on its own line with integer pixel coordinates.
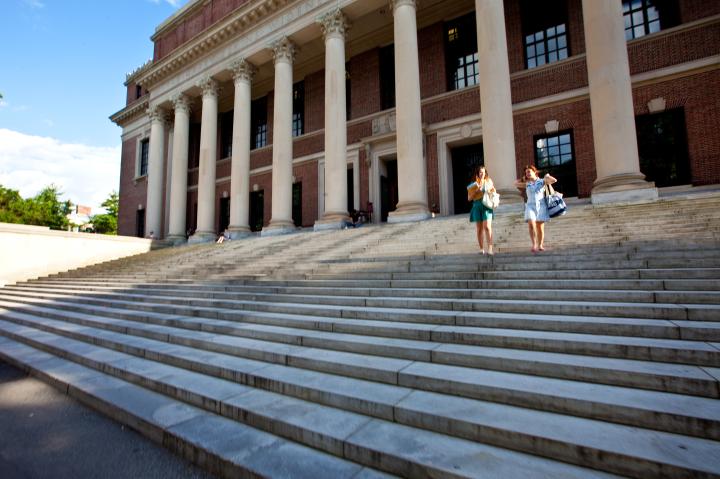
{"type": "Point", "coordinates": [388, 187]}
{"type": "Point", "coordinates": [465, 161]}
{"type": "Point", "coordinates": [662, 146]}
{"type": "Point", "coordinates": [297, 204]}
{"type": "Point", "coordinates": [224, 214]}
{"type": "Point", "coordinates": [257, 210]}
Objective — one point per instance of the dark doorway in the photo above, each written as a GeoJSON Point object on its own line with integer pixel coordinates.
{"type": "Point", "coordinates": [465, 161]}
{"type": "Point", "coordinates": [662, 146]}
{"type": "Point", "coordinates": [350, 190]}
{"type": "Point", "coordinates": [140, 223]}
{"type": "Point", "coordinates": [224, 214]}
{"type": "Point", "coordinates": [297, 204]}
{"type": "Point", "coordinates": [388, 189]}
{"type": "Point", "coordinates": [257, 210]}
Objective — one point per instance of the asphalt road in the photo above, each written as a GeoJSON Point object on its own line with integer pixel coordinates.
{"type": "Point", "coordinates": [46, 434]}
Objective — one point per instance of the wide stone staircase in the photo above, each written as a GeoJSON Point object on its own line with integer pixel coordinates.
{"type": "Point", "coordinates": [401, 351]}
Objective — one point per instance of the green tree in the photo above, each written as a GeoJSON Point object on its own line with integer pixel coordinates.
{"type": "Point", "coordinates": [107, 223]}
{"type": "Point", "coordinates": [12, 206]}
{"type": "Point", "coordinates": [45, 209]}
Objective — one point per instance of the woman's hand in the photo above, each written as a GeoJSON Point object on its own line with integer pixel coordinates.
{"type": "Point", "coordinates": [549, 180]}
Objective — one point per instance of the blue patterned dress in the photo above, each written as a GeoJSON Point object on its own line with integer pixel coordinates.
{"type": "Point", "coordinates": [536, 208]}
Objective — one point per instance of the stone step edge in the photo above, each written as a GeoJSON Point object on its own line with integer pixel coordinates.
{"type": "Point", "coordinates": [650, 380]}
{"type": "Point", "coordinates": [627, 414]}
{"type": "Point", "coordinates": [562, 342]}
{"type": "Point", "coordinates": [177, 434]}
{"type": "Point", "coordinates": [617, 461]}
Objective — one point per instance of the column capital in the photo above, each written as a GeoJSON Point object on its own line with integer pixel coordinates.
{"type": "Point", "coordinates": [334, 23]}
{"type": "Point", "coordinates": [283, 50]}
{"type": "Point", "coordinates": [209, 86]}
{"type": "Point", "coordinates": [399, 3]}
{"type": "Point", "coordinates": [181, 102]}
{"type": "Point", "coordinates": [242, 70]}
{"type": "Point", "coordinates": [157, 114]}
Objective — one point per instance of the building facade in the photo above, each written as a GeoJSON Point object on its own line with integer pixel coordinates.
{"type": "Point", "coordinates": [272, 114]}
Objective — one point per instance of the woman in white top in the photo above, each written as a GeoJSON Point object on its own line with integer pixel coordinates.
{"type": "Point", "coordinates": [536, 212]}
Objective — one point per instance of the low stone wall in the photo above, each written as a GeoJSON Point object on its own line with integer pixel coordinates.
{"type": "Point", "coordinates": [31, 251]}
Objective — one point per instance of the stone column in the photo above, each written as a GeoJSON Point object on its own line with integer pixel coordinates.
{"type": "Point", "coordinates": [495, 100]}
{"type": "Point", "coordinates": [281, 220]}
{"type": "Point", "coordinates": [616, 155]}
{"type": "Point", "coordinates": [335, 214]}
{"type": "Point", "coordinates": [412, 178]}
{"type": "Point", "coordinates": [240, 170]}
{"type": "Point", "coordinates": [208, 156]}
{"type": "Point", "coordinates": [178, 185]}
{"type": "Point", "coordinates": [158, 119]}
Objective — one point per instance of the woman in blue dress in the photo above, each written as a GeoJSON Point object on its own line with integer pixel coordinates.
{"type": "Point", "coordinates": [536, 212]}
{"type": "Point", "coordinates": [480, 214]}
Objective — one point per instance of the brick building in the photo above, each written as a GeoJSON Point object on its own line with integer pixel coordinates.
{"type": "Point", "coordinates": [271, 114]}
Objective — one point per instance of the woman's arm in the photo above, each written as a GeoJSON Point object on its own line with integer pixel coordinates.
{"type": "Point", "coordinates": [520, 184]}
{"type": "Point", "coordinates": [549, 180]}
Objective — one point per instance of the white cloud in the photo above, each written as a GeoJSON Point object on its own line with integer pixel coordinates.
{"type": "Point", "coordinates": [173, 3]}
{"type": "Point", "coordinates": [85, 174]}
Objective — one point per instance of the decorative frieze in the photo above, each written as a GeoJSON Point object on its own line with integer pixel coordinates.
{"type": "Point", "coordinates": [334, 23]}
{"type": "Point", "coordinates": [181, 102]}
{"type": "Point", "coordinates": [209, 86]}
{"type": "Point", "coordinates": [283, 50]}
{"type": "Point", "coordinates": [242, 70]}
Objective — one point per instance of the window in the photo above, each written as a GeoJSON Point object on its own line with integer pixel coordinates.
{"type": "Point", "coordinates": [138, 91]}
{"type": "Point", "coordinates": [226, 130]}
{"type": "Point", "coordinates": [387, 77]}
{"type": "Point", "coordinates": [461, 52]}
{"type": "Point", "coordinates": [554, 154]}
{"type": "Point", "coordinates": [544, 32]}
{"type": "Point", "coordinates": [298, 127]}
{"type": "Point", "coordinates": [258, 122]}
{"type": "Point", "coordinates": [643, 17]}
{"type": "Point", "coordinates": [144, 153]}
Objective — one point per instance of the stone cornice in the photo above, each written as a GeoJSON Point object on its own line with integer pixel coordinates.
{"type": "Point", "coordinates": [130, 112]}
{"type": "Point", "coordinates": [245, 17]}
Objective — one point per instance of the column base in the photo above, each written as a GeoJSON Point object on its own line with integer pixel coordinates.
{"type": "Point", "coordinates": [624, 188]}
{"type": "Point", "coordinates": [409, 212]}
{"type": "Point", "coordinates": [510, 196]}
{"type": "Point", "coordinates": [237, 232]}
{"type": "Point", "coordinates": [202, 237]}
{"type": "Point", "coordinates": [332, 221]}
{"type": "Point", "coordinates": [281, 227]}
{"type": "Point", "coordinates": [176, 239]}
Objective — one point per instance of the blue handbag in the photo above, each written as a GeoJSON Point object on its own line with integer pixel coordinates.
{"type": "Point", "coordinates": [555, 203]}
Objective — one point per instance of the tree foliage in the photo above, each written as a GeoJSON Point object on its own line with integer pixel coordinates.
{"type": "Point", "coordinates": [44, 209]}
{"type": "Point", "coordinates": [107, 223]}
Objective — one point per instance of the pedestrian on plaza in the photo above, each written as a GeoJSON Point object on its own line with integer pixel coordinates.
{"type": "Point", "coordinates": [536, 212]}
{"type": "Point", "coordinates": [480, 214]}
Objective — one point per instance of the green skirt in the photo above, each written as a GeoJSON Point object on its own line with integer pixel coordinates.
{"type": "Point", "coordinates": [480, 212]}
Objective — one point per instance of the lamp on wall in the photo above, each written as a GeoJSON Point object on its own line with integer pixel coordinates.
{"type": "Point", "coordinates": [224, 194]}
{"type": "Point", "coordinates": [256, 187]}
{"type": "Point", "coordinates": [140, 206]}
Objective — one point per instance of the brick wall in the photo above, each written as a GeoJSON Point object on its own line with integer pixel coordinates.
{"type": "Point", "coordinates": [431, 158]}
{"type": "Point", "coordinates": [698, 97]}
{"type": "Point", "coordinates": [572, 116]}
{"type": "Point", "coordinates": [315, 101]}
{"type": "Point", "coordinates": [307, 174]}
{"type": "Point", "coordinates": [365, 83]}
{"type": "Point", "coordinates": [131, 193]}
{"type": "Point", "coordinates": [431, 57]}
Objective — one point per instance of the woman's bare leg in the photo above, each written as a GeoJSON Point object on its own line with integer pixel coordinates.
{"type": "Point", "coordinates": [531, 230]}
{"type": "Point", "coordinates": [541, 235]}
{"type": "Point", "coordinates": [487, 227]}
{"type": "Point", "coordinates": [479, 231]}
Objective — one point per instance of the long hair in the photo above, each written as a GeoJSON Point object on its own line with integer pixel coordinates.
{"type": "Point", "coordinates": [487, 174]}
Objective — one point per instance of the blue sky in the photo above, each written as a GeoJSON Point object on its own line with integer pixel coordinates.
{"type": "Point", "coordinates": [62, 68]}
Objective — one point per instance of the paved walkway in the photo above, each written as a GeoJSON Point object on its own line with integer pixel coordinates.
{"type": "Point", "coordinates": [46, 434]}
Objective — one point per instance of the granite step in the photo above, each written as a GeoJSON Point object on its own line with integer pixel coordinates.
{"type": "Point", "coordinates": [667, 377]}
{"type": "Point", "coordinates": [679, 414]}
